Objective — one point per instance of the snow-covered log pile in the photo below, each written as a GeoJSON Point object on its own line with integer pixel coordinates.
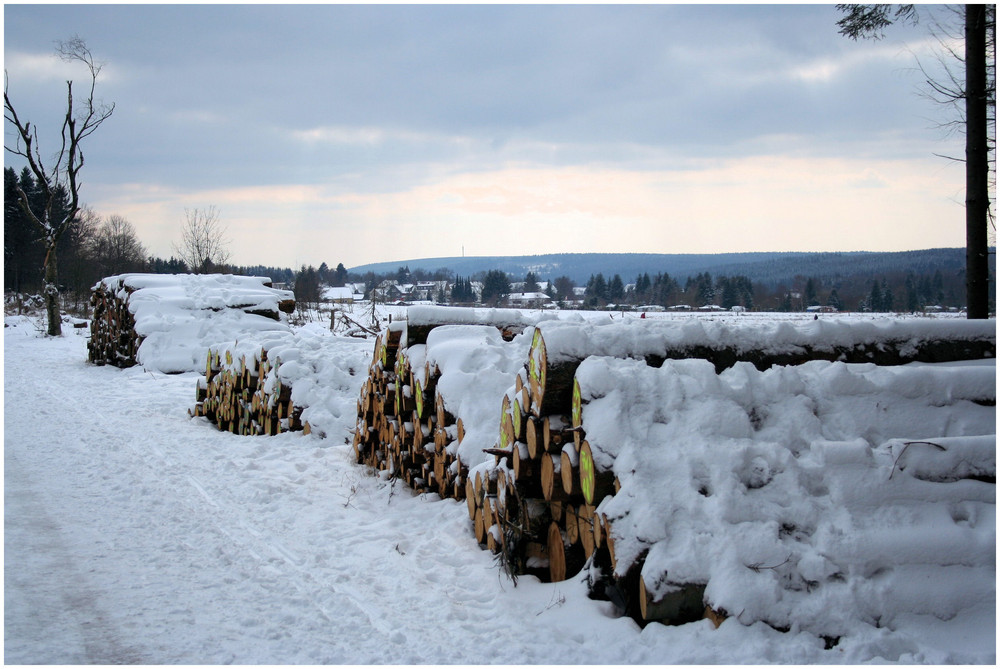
{"type": "Point", "coordinates": [166, 322]}
{"type": "Point", "coordinates": [676, 459]}
{"type": "Point", "coordinates": [281, 381]}
{"type": "Point", "coordinates": [427, 410]}
{"type": "Point", "coordinates": [812, 497]}
{"type": "Point", "coordinates": [560, 346]}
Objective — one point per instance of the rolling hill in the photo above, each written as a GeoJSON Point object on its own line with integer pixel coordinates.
{"type": "Point", "coordinates": [770, 268]}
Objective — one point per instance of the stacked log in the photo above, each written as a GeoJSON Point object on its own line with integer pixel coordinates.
{"type": "Point", "coordinates": [827, 422]}
{"type": "Point", "coordinates": [113, 339]}
{"type": "Point", "coordinates": [558, 349]}
{"type": "Point", "coordinates": [165, 322]}
{"type": "Point", "coordinates": [244, 394]}
{"type": "Point", "coordinates": [408, 426]}
{"type": "Point", "coordinates": [538, 502]}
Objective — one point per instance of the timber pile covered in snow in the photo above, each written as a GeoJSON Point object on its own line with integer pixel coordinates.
{"type": "Point", "coordinates": [166, 322]}
{"type": "Point", "coordinates": [264, 383]}
{"type": "Point", "coordinates": [429, 409]}
{"type": "Point", "coordinates": [816, 497]}
{"type": "Point", "coordinates": [767, 472]}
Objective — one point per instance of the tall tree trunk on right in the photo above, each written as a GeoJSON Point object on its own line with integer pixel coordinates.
{"type": "Point", "coordinates": [977, 165]}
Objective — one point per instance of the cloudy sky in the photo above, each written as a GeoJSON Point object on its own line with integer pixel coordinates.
{"type": "Point", "coordinates": [358, 133]}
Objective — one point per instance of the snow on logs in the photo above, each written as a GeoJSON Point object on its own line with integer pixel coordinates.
{"type": "Point", "coordinates": [558, 347]}
{"type": "Point", "coordinates": [702, 468]}
{"type": "Point", "coordinates": [275, 382]}
{"type": "Point", "coordinates": [166, 322]}
{"type": "Point", "coordinates": [769, 495]}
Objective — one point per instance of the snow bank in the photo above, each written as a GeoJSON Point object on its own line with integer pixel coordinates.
{"type": "Point", "coordinates": [821, 497]}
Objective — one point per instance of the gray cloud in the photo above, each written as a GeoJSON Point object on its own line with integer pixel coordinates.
{"type": "Point", "coordinates": [229, 94]}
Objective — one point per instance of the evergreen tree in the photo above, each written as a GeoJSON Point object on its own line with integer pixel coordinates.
{"type": "Point", "coordinates": [616, 289]}
{"type": "Point", "coordinates": [875, 297]}
{"type": "Point", "coordinates": [887, 298]}
{"type": "Point", "coordinates": [339, 275]}
{"type": "Point", "coordinates": [834, 300]}
{"type": "Point", "coordinates": [307, 286]}
{"type": "Point", "coordinates": [22, 248]}
{"type": "Point", "coordinates": [530, 283]}
{"type": "Point", "coordinates": [496, 287]}
{"type": "Point", "coordinates": [563, 287]}
{"type": "Point", "coordinates": [704, 289]}
{"type": "Point", "coordinates": [812, 298]}
{"type": "Point", "coordinates": [912, 303]}
{"type": "Point", "coordinates": [729, 291]}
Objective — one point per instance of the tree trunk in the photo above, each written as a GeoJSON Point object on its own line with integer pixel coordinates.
{"type": "Point", "coordinates": [52, 292]}
{"type": "Point", "coordinates": [976, 164]}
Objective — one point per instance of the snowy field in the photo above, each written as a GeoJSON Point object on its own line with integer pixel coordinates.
{"type": "Point", "coordinates": [135, 534]}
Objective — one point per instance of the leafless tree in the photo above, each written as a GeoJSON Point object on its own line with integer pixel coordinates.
{"type": "Point", "coordinates": [115, 247]}
{"type": "Point", "coordinates": [63, 173]}
{"type": "Point", "coordinates": [203, 246]}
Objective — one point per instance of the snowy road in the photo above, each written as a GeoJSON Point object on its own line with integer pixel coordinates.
{"type": "Point", "coordinates": [134, 534]}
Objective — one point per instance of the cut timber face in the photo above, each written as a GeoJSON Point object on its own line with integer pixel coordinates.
{"type": "Point", "coordinates": [595, 484]}
{"type": "Point", "coordinates": [681, 606]}
{"type": "Point", "coordinates": [550, 385]}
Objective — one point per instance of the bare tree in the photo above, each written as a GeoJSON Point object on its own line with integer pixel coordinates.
{"type": "Point", "coordinates": [63, 174]}
{"type": "Point", "coordinates": [203, 244]}
{"type": "Point", "coordinates": [115, 247]}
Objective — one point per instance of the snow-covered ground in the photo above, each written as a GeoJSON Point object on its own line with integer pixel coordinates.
{"type": "Point", "coordinates": [135, 534]}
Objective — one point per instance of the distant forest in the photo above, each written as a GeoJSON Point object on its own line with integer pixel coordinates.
{"type": "Point", "coordinates": [865, 283]}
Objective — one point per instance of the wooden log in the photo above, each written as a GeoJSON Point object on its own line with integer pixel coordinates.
{"type": "Point", "coordinates": [585, 526]}
{"type": "Point", "coordinates": [551, 478]}
{"type": "Point", "coordinates": [551, 370]}
{"type": "Point", "coordinates": [566, 558]}
{"type": "Point", "coordinates": [471, 499]}
{"type": "Point", "coordinates": [421, 321]}
{"type": "Point", "coordinates": [444, 417]}
{"type": "Point", "coordinates": [533, 437]}
{"type": "Point", "coordinates": [550, 384]}
{"type": "Point", "coordinates": [571, 523]}
{"type": "Point", "coordinates": [569, 470]}
{"type": "Point", "coordinates": [595, 483]}
{"type": "Point", "coordinates": [685, 604]}
{"type": "Point", "coordinates": [556, 432]}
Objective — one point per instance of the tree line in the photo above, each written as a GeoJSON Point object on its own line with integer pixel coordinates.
{"type": "Point", "coordinates": [908, 291]}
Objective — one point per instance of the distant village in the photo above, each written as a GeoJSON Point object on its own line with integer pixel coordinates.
{"type": "Point", "coordinates": [390, 291]}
